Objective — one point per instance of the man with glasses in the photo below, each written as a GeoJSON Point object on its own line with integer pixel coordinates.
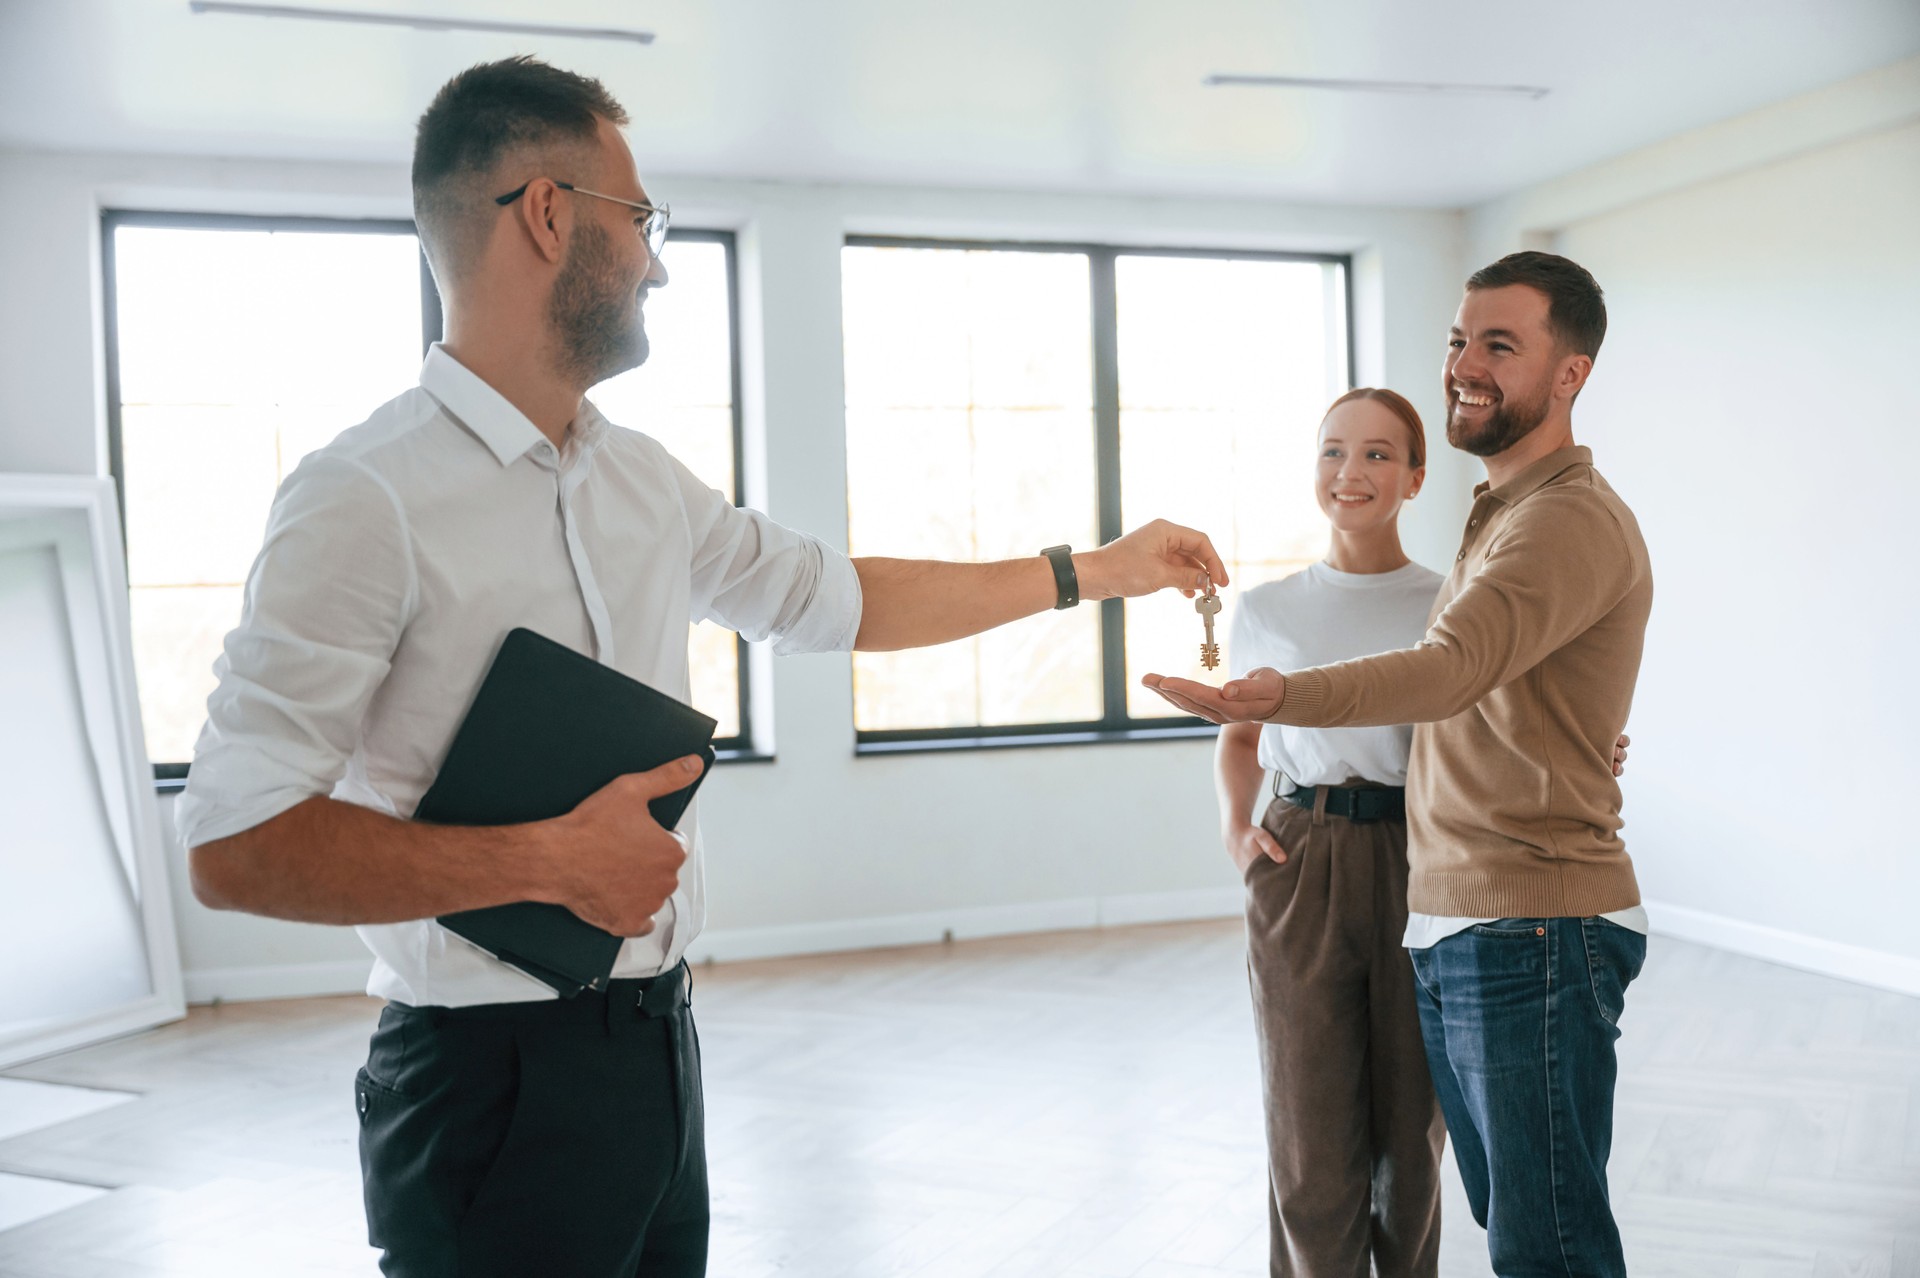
{"type": "Point", "coordinates": [505, 1131]}
{"type": "Point", "coordinates": [653, 226]}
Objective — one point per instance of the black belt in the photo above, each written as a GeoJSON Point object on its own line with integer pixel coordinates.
{"type": "Point", "coordinates": [1372, 803]}
{"type": "Point", "coordinates": [653, 995]}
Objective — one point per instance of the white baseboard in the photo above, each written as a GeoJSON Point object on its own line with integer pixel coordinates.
{"type": "Point", "coordinates": [1079, 913]}
{"type": "Point", "coordinates": [1896, 972]}
{"type": "Point", "coordinates": [1172, 907]}
{"type": "Point", "coordinates": [283, 980]}
{"type": "Point", "coordinates": [1863, 966]}
{"type": "Point", "coordinates": [724, 945]}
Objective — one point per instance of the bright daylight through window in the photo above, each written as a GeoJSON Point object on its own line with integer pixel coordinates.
{"type": "Point", "coordinates": [970, 436]}
{"type": "Point", "coordinates": [1226, 367]}
{"type": "Point", "coordinates": [238, 347]}
{"type": "Point", "coordinates": [979, 428]}
{"type": "Point", "coordinates": [684, 396]}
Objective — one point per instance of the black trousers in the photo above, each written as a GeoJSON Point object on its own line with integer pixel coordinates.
{"type": "Point", "coordinates": [559, 1137]}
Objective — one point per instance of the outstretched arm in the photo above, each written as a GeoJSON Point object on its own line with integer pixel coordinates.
{"type": "Point", "coordinates": [914, 603]}
{"type": "Point", "coordinates": [1556, 570]}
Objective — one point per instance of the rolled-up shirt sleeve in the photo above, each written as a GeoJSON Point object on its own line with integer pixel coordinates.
{"type": "Point", "coordinates": [325, 606]}
{"type": "Point", "coordinates": [765, 580]}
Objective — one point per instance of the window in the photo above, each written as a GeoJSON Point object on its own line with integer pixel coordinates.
{"type": "Point", "coordinates": [1226, 367]}
{"type": "Point", "coordinates": [970, 436]}
{"type": "Point", "coordinates": [235, 346]}
{"type": "Point", "coordinates": [1001, 398]}
{"type": "Point", "coordinates": [234, 350]}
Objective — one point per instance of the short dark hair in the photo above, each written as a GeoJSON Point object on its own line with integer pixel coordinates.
{"type": "Point", "coordinates": [1576, 308]}
{"type": "Point", "coordinates": [474, 122]}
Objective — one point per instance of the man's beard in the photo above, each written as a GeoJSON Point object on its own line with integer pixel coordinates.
{"type": "Point", "coordinates": [595, 313]}
{"type": "Point", "coordinates": [1508, 424]}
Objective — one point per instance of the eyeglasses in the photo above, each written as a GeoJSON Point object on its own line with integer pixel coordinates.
{"type": "Point", "coordinates": [653, 230]}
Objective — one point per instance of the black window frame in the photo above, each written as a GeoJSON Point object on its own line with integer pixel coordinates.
{"type": "Point", "coordinates": [1115, 724]}
{"type": "Point", "coordinates": [172, 776]}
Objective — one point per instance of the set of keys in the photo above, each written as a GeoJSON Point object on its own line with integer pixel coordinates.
{"type": "Point", "coordinates": [1208, 606]}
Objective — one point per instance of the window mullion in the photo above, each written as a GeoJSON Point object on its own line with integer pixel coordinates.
{"type": "Point", "coordinates": [1106, 442]}
{"type": "Point", "coordinates": [743, 659]}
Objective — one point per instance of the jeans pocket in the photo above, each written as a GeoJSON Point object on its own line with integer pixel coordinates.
{"type": "Point", "coordinates": [1615, 956]}
{"type": "Point", "coordinates": [1510, 929]}
{"type": "Point", "coordinates": [1424, 975]}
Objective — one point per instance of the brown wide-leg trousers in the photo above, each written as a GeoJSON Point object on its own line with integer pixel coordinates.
{"type": "Point", "coordinates": [1354, 1135]}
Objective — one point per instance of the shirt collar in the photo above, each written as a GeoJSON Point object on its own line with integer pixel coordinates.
{"type": "Point", "coordinates": [504, 429]}
{"type": "Point", "coordinates": [1536, 476]}
{"type": "Point", "coordinates": [589, 428]}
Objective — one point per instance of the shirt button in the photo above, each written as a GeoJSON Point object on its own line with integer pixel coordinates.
{"type": "Point", "coordinates": [1462, 555]}
{"type": "Point", "coordinates": [1473, 523]}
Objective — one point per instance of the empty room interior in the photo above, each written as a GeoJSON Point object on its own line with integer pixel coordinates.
{"type": "Point", "coordinates": [1226, 638]}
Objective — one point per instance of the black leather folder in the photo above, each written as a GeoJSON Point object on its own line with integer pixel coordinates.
{"type": "Point", "coordinates": [549, 727]}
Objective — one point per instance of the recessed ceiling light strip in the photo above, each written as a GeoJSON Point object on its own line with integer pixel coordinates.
{"type": "Point", "coordinates": [1379, 86]}
{"type": "Point", "coordinates": [419, 21]}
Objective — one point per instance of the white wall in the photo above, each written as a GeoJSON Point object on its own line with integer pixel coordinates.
{"type": "Point", "coordinates": [1753, 402]}
{"type": "Point", "coordinates": [819, 849]}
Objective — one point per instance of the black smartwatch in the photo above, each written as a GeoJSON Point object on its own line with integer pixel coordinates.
{"type": "Point", "coordinates": [1066, 583]}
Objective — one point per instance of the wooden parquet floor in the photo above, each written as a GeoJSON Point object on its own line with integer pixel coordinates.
{"type": "Point", "coordinates": [1074, 1104]}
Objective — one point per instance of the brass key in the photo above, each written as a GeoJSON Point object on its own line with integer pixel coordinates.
{"type": "Point", "coordinates": [1208, 606]}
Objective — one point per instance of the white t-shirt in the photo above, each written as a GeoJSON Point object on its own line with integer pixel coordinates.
{"type": "Point", "coordinates": [1316, 617]}
{"type": "Point", "coordinates": [1320, 616]}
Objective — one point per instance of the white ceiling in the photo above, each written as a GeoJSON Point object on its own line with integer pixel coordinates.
{"type": "Point", "coordinates": [1049, 94]}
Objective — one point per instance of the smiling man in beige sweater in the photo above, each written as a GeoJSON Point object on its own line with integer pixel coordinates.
{"type": "Point", "coordinates": [1525, 924]}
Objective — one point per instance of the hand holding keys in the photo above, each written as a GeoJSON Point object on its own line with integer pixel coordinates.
{"type": "Point", "coordinates": [1208, 606]}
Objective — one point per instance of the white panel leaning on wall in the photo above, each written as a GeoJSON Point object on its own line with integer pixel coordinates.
{"type": "Point", "coordinates": [86, 927]}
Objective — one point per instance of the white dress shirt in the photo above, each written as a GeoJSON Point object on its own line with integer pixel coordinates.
{"type": "Point", "coordinates": [397, 558]}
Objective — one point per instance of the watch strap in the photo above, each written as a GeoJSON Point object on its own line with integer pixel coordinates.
{"type": "Point", "coordinates": [1066, 583]}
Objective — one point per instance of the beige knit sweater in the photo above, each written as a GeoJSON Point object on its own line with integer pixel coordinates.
{"type": "Point", "coordinates": [1518, 691]}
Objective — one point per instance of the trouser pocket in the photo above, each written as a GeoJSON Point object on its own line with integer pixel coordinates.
{"type": "Point", "coordinates": [434, 1102]}
{"type": "Point", "coordinates": [383, 1163]}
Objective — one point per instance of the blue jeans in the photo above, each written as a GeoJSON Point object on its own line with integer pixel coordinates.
{"type": "Point", "coordinates": [1520, 1018]}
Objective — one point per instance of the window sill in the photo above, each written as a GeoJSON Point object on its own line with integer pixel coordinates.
{"type": "Point", "coordinates": [1035, 740]}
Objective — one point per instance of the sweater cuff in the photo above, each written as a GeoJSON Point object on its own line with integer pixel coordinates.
{"type": "Point", "coordinates": [1304, 701]}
